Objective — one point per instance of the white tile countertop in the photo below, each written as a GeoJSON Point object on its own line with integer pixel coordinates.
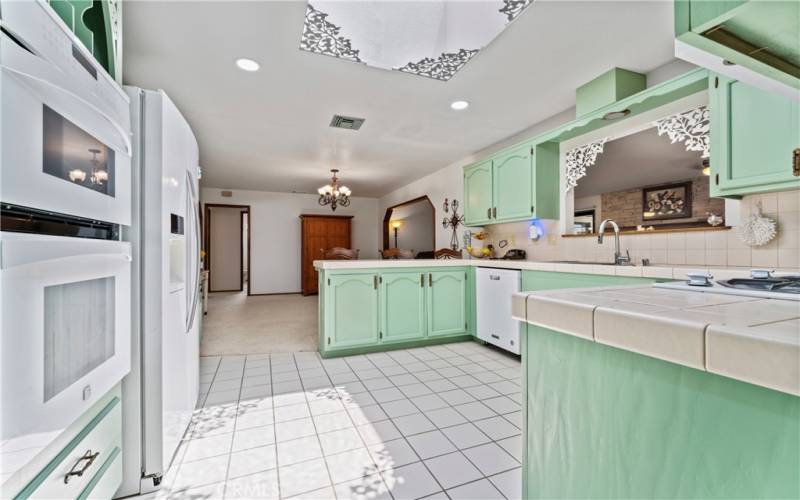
{"type": "Point", "coordinates": [655, 271]}
{"type": "Point", "coordinates": [755, 340]}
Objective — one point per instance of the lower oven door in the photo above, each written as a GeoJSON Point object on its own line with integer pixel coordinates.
{"type": "Point", "coordinates": [65, 337]}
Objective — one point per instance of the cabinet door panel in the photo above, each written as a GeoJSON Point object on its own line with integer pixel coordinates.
{"type": "Point", "coordinates": [402, 306]}
{"type": "Point", "coordinates": [447, 303]}
{"type": "Point", "coordinates": [512, 184]}
{"type": "Point", "coordinates": [753, 137]}
{"type": "Point", "coordinates": [478, 194]}
{"type": "Point", "coordinates": [352, 311]}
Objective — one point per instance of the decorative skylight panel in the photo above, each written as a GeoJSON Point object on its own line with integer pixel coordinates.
{"type": "Point", "coordinates": [433, 38]}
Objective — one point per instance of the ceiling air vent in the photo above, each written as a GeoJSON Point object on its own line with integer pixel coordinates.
{"type": "Point", "coordinates": [347, 122]}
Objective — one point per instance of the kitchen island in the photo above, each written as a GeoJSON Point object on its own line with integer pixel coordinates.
{"type": "Point", "coordinates": [641, 392]}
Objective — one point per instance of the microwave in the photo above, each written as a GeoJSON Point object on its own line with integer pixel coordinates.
{"type": "Point", "coordinates": [65, 150]}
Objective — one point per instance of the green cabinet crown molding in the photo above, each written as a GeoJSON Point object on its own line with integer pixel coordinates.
{"type": "Point", "coordinates": [760, 35]}
{"type": "Point", "coordinates": [755, 139]}
{"type": "Point", "coordinates": [608, 88]}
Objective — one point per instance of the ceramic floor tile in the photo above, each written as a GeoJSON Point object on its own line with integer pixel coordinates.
{"type": "Point", "coordinates": [474, 411]}
{"type": "Point", "coordinates": [292, 412]}
{"type": "Point", "coordinates": [393, 454]}
{"type": "Point", "coordinates": [366, 414]}
{"type": "Point", "coordinates": [320, 494]}
{"type": "Point", "coordinates": [502, 404]}
{"type": "Point", "coordinates": [327, 405]}
{"type": "Point", "coordinates": [350, 387]}
{"type": "Point", "coordinates": [243, 463]}
{"type": "Point", "coordinates": [199, 449]}
{"type": "Point", "coordinates": [254, 418]}
{"type": "Point", "coordinates": [478, 490]}
{"type": "Point", "coordinates": [332, 422]}
{"type": "Point", "coordinates": [294, 429]}
{"type": "Point", "coordinates": [388, 394]}
{"type": "Point", "coordinates": [343, 377]}
{"type": "Point", "coordinates": [258, 391]}
{"type": "Point", "coordinates": [288, 387]}
{"type": "Point", "coordinates": [222, 398]}
{"type": "Point", "coordinates": [497, 428]}
{"type": "Point", "coordinates": [465, 381]}
{"type": "Point", "coordinates": [453, 470]}
{"type": "Point", "coordinates": [399, 408]}
{"type": "Point", "coordinates": [350, 465]}
{"type": "Point", "coordinates": [413, 424]}
{"type": "Point", "coordinates": [431, 444]}
{"type": "Point", "coordinates": [298, 450]}
{"type": "Point", "coordinates": [412, 390]}
{"type": "Point", "coordinates": [456, 397]}
{"type": "Point", "coordinates": [303, 477]}
{"type": "Point", "coordinates": [429, 402]}
{"type": "Point", "coordinates": [491, 459]}
{"type": "Point", "coordinates": [358, 399]}
{"type": "Point", "coordinates": [256, 380]}
{"type": "Point", "coordinates": [404, 379]}
{"type": "Point", "coordinates": [366, 488]}
{"type": "Point", "coordinates": [253, 437]}
{"type": "Point", "coordinates": [225, 385]}
{"type": "Point", "coordinates": [339, 441]}
{"type": "Point", "coordinates": [513, 446]}
{"type": "Point", "coordinates": [515, 418]}
{"type": "Point", "coordinates": [504, 387]}
{"type": "Point", "coordinates": [288, 399]}
{"type": "Point", "coordinates": [465, 435]}
{"type": "Point", "coordinates": [509, 483]}
{"type": "Point", "coordinates": [481, 392]}
{"type": "Point", "coordinates": [488, 377]}
{"type": "Point", "coordinates": [378, 432]}
{"type": "Point", "coordinates": [445, 417]}
{"type": "Point", "coordinates": [410, 482]}
{"type": "Point", "coordinates": [201, 473]}
{"type": "Point", "coordinates": [441, 385]}
{"type": "Point", "coordinates": [428, 375]}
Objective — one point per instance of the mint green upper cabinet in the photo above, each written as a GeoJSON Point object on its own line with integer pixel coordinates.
{"type": "Point", "coordinates": [755, 137]}
{"type": "Point", "coordinates": [402, 313]}
{"type": "Point", "coordinates": [513, 184]}
{"type": "Point", "coordinates": [760, 35]}
{"type": "Point", "coordinates": [478, 194]}
{"type": "Point", "coordinates": [352, 310]}
{"type": "Point", "coordinates": [447, 303]}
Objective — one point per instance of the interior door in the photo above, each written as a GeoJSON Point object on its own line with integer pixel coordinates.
{"type": "Point", "coordinates": [511, 184]}
{"type": "Point", "coordinates": [320, 232]}
{"type": "Point", "coordinates": [402, 297]}
{"type": "Point", "coordinates": [353, 310]}
{"type": "Point", "coordinates": [225, 248]}
{"type": "Point", "coordinates": [447, 303]}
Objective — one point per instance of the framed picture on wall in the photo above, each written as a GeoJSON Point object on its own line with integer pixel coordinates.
{"type": "Point", "coordinates": [668, 201]}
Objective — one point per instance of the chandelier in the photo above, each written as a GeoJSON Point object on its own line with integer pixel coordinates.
{"type": "Point", "coordinates": [333, 194]}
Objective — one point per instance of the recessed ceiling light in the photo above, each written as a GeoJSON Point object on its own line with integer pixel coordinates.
{"type": "Point", "coordinates": [459, 105]}
{"type": "Point", "coordinates": [247, 64]}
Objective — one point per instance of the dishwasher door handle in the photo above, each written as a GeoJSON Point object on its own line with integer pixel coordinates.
{"type": "Point", "coordinates": [494, 277]}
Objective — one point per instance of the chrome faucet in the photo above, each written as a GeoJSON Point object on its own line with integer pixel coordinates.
{"type": "Point", "coordinates": [619, 259]}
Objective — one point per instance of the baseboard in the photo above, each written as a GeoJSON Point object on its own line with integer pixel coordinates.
{"type": "Point", "coordinates": [275, 293]}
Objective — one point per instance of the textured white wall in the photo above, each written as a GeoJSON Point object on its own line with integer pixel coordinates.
{"type": "Point", "coordinates": [275, 233]}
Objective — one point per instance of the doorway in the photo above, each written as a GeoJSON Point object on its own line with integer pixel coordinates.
{"type": "Point", "coordinates": [411, 226]}
{"type": "Point", "coordinates": [227, 243]}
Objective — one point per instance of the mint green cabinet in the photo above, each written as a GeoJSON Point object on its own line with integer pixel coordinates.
{"type": "Point", "coordinates": [447, 303]}
{"type": "Point", "coordinates": [402, 312]}
{"type": "Point", "coordinates": [512, 188]}
{"type": "Point", "coordinates": [352, 310]}
{"type": "Point", "coordinates": [759, 35]}
{"type": "Point", "coordinates": [515, 184]}
{"type": "Point", "coordinates": [478, 194]}
{"type": "Point", "coordinates": [755, 139]}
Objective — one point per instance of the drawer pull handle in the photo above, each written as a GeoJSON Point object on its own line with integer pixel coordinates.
{"type": "Point", "coordinates": [494, 277]}
{"type": "Point", "coordinates": [86, 460]}
{"type": "Point", "coordinates": [796, 162]}
{"type": "Point", "coordinates": [495, 336]}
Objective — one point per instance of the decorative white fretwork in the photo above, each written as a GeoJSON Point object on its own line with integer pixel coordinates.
{"type": "Point", "coordinates": [690, 127]}
{"type": "Point", "coordinates": [513, 8]}
{"type": "Point", "coordinates": [443, 67]}
{"type": "Point", "coordinates": [322, 36]}
{"type": "Point", "coordinates": [578, 159]}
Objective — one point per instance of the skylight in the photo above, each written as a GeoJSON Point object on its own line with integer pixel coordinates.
{"type": "Point", "coordinates": [433, 38]}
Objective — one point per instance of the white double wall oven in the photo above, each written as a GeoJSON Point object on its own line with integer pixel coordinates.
{"type": "Point", "coordinates": [65, 196]}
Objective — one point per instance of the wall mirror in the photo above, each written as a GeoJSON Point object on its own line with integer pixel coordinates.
{"type": "Point", "coordinates": [410, 226]}
{"type": "Point", "coordinates": [648, 173]}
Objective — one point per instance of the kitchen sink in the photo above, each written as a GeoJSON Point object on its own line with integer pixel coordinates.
{"type": "Point", "coordinates": [785, 284]}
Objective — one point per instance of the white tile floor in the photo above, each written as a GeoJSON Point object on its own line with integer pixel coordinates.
{"type": "Point", "coordinates": [435, 422]}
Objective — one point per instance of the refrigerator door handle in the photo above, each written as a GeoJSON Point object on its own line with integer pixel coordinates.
{"type": "Point", "coordinates": [195, 289]}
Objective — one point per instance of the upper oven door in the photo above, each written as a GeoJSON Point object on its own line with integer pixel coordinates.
{"type": "Point", "coordinates": [62, 151]}
{"type": "Point", "coordinates": [65, 330]}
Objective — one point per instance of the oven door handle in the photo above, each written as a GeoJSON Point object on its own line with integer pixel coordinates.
{"type": "Point", "coordinates": [32, 252]}
{"type": "Point", "coordinates": [123, 134]}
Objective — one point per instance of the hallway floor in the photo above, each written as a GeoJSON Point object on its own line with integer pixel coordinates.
{"type": "Point", "coordinates": [238, 324]}
{"type": "Point", "coordinates": [436, 422]}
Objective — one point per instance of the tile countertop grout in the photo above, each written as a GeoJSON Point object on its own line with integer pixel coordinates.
{"type": "Point", "coordinates": [654, 271]}
{"type": "Point", "coordinates": [754, 340]}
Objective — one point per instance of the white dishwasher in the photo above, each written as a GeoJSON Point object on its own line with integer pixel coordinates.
{"type": "Point", "coordinates": [494, 289]}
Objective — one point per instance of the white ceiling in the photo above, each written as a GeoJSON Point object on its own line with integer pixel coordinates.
{"type": "Point", "coordinates": [639, 160]}
{"type": "Point", "coordinates": [269, 130]}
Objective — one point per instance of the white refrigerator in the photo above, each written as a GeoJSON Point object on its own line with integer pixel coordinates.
{"type": "Point", "coordinates": [160, 394]}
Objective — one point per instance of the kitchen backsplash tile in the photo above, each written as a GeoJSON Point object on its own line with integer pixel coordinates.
{"type": "Point", "coordinates": [701, 248]}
